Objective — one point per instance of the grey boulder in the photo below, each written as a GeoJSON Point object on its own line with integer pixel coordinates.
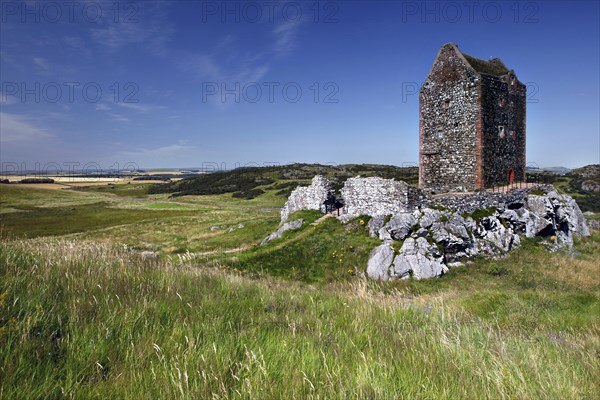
{"type": "Point", "coordinates": [399, 226]}
{"type": "Point", "coordinates": [380, 260]}
{"type": "Point", "coordinates": [419, 257]}
{"type": "Point", "coordinates": [285, 227]}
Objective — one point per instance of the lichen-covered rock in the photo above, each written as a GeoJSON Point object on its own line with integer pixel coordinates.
{"type": "Point", "coordinates": [429, 217]}
{"type": "Point", "coordinates": [399, 226]}
{"type": "Point", "coordinates": [556, 215]}
{"type": "Point", "coordinates": [285, 227]}
{"type": "Point", "coordinates": [420, 258]}
{"type": "Point", "coordinates": [568, 212]}
{"type": "Point", "coordinates": [540, 215]}
{"type": "Point", "coordinates": [307, 197]}
{"type": "Point", "coordinates": [375, 224]}
{"type": "Point", "coordinates": [378, 197]}
{"type": "Point", "coordinates": [379, 263]}
{"type": "Point", "coordinates": [454, 238]}
{"type": "Point", "coordinates": [448, 237]}
{"type": "Point", "coordinates": [496, 237]}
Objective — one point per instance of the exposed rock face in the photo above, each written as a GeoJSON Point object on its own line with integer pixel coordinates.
{"type": "Point", "coordinates": [443, 230]}
{"type": "Point", "coordinates": [420, 258]}
{"type": "Point", "coordinates": [436, 238]}
{"type": "Point", "coordinates": [307, 197]}
{"type": "Point", "coordinates": [375, 224]}
{"type": "Point", "coordinates": [285, 227]}
{"type": "Point", "coordinates": [378, 197]}
{"type": "Point", "coordinates": [380, 261]}
{"type": "Point", "coordinates": [417, 258]}
{"type": "Point", "coordinates": [398, 227]}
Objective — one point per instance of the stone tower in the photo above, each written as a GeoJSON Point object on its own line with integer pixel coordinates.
{"type": "Point", "coordinates": [471, 124]}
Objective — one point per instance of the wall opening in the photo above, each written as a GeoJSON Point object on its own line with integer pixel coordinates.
{"type": "Point", "coordinates": [511, 176]}
{"type": "Point", "coordinates": [501, 131]}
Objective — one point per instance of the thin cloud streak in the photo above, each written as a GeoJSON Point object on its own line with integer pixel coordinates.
{"type": "Point", "coordinates": [19, 128]}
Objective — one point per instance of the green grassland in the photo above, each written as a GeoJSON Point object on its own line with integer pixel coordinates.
{"type": "Point", "coordinates": [84, 314]}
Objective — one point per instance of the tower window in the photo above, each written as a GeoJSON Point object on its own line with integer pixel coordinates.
{"type": "Point", "coordinates": [501, 132]}
{"type": "Point", "coordinates": [501, 103]}
{"type": "Point", "coordinates": [446, 103]}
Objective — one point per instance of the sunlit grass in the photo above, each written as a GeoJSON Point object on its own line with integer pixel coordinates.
{"type": "Point", "coordinates": [82, 319]}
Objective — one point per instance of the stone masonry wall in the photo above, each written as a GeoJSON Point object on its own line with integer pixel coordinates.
{"type": "Point", "coordinates": [307, 197]}
{"type": "Point", "coordinates": [503, 129]}
{"type": "Point", "coordinates": [378, 197]}
{"type": "Point", "coordinates": [448, 103]}
{"type": "Point", "coordinates": [472, 124]}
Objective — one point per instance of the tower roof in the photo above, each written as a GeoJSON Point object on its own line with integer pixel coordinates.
{"type": "Point", "coordinates": [493, 67]}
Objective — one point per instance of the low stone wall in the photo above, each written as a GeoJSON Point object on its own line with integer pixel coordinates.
{"type": "Point", "coordinates": [378, 197]}
{"type": "Point", "coordinates": [307, 197]}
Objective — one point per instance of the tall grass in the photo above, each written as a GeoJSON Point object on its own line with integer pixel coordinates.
{"type": "Point", "coordinates": [90, 320]}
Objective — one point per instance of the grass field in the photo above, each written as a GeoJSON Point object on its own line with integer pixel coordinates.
{"type": "Point", "coordinates": [84, 314]}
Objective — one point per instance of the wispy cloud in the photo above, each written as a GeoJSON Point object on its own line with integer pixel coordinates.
{"type": "Point", "coordinates": [208, 68]}
{"type": "Point", "coordinates": [78, 43]}
{"type": "Point", "coordinates": [285, 36]}
{"type": "Point", "coordinates": [102, 107]}
{"type": "Point", "coordinates": [7, 100]}
{"type": "Point", "coordinates": [20, 128]}
{"type": "Point", "coordinates": [156, 153]}
{"type": "Point", "coordinates": [144, 108]}
{"type": "Point", "coordinates": [151, 30]}
{"type": "Point", "coordinates": [119, 117]}
{"type": "Point", "coordinates": [41, 62]}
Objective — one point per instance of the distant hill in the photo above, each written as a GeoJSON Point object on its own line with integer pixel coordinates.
{"type": "Point", "coordinates": [251, 182]}
{"type": "Point", "coordinates": [553, 170]}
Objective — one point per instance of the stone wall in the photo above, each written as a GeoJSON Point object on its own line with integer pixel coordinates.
{"type": "Point", "coordinates": [307, 197]}
{"type": "Point", "coordinates": [378, 197]}
{"type": "Point", "coordinates": [503, 129]}
{"type": "Point", "coordinates": [448, 103]}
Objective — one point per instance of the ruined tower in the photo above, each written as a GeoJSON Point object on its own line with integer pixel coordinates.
{"type": "Point", "coordinates": [471, 124]}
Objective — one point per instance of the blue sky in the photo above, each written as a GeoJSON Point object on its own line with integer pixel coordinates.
{"type": "Point", "coordinates": [155, 83]}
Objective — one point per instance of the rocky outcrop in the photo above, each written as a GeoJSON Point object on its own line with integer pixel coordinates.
{"type": "Point", "coordinates": [398, 227]}
{"type": "Point", "coordinates": [380, 261]}
{"type": "Point", "coordinates": [285, 227]}
{"type": "Point", "coordinates": [443, 230]}
{"type": "Point", "coordinates": [419, 258]}
{"type": "Point", "coordinates": [434, 238]}
{"type": "Point", "coordinates": [307, 197]}
{"type": "Point", "coordinates": [375, 196]}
